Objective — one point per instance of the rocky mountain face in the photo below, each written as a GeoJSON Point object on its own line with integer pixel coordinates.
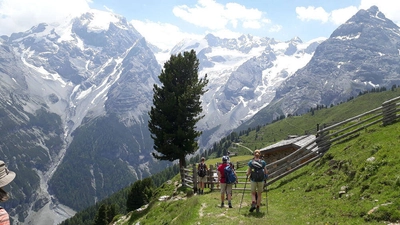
{"type": "Point", "coordinates": [74, 102]}
{"type": "Point", "coordinates": [360, 55]}
{"type": "Point", "coordinates": [243, 73]}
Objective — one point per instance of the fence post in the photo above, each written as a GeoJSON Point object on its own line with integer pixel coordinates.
{"type": "Point", "coordinates": [389, 112]}
{"type": "Point", "coordinates": [194, 178]}
{"type": "Point", "coordinates": [211, 177]}
{"type": "Point", "coordinates": [322, 141]}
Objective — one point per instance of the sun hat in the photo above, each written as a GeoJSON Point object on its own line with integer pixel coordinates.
{"type": "Point", "coordinates": [6, 176]}
{"type": "Point", "coordinates": [224, 159]}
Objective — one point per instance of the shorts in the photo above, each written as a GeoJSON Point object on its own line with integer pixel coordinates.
{"type": "Point", "coordinates": [259, 186]}
{"type": "Point", "coordinates": [203, 179]}
{"type": "Point", "coordinates": [226, 188]}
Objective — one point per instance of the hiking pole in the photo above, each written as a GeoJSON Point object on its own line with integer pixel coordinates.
{"type": "Point", "coordinates": [243, 193]}
{"type": "Point", "coordinates": [266, 195]}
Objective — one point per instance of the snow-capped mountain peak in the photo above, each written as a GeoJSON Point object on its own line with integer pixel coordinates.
{"type": "Point", "coordinates": [243, 74]}
{"type": "Point", "coordinates": [99, 21]}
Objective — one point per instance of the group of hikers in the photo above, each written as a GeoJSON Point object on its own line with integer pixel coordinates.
{"type": "Point", "coordinates": [257, 173]}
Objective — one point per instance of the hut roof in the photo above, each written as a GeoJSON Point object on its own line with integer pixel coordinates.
{"type": "Point", "coordinates": [296, 142]}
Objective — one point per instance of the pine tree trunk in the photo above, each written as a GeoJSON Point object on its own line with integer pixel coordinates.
{"type": "Point", "coordinates": [182, 164]}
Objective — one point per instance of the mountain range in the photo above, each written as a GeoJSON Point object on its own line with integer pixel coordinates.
{"type": "Point", "coordinates": [360, 55]}
{"type": "Point", "coordinates": [75, 98]}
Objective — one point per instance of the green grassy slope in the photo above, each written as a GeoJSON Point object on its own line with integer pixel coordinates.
{"type": "Point", "coordinates": [365, 169]}
{"type": "Point", "coordinates": [307, 123]}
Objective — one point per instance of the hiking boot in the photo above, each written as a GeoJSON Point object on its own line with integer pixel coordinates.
{"type": "Point", "coordinates": [258, 209]}
{"type": "Point", "coordinates": [222, 205]}
{"type": "Point", "coordinates": [230, 205]}
{"type": "Point", "coordinates": [201, 192]}
{"type": "Point", "coordinates": [253, 207]}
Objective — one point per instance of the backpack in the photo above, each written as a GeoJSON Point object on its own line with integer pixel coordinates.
{"type": "Point", "coordinates": [230, 177]}
{"type": "Point", "coordinates": [201, 170]}
{"type": "Point", "coordinates": [257, 171]}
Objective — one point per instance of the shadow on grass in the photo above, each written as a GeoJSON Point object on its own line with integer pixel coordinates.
{"type": "Point", "coordinates": [285, 181]}
{"type": "Point", "coordinates": [255, 214]}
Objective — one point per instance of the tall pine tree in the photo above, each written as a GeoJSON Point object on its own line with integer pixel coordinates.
{"type": "Point", "coordinates": [105, 214]}
{"type": "Point", "coordinates": [176, 108]}
{"type": "Point", "coordinates": [140, 194]}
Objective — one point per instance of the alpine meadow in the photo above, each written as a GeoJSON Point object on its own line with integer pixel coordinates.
{"type": "Point", "coordinates": [365, 167]}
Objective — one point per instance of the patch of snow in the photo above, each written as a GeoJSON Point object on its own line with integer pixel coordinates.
{"type": "Point", "coordinates": [348, 37]}
{"type": "Point", "coordinates": [282, 46]}
{"type": "Point", "coordinates": [64, 30]}
{"type": "Point", "coordinates": [101, 21]}
{"type": "Point", "coordinates": [377, 16]}
{"type": "Point", "coordinates": [45, 74]}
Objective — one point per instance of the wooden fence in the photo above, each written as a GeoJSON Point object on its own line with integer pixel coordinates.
{"type": "Point", "coordinates": [331, 135]}
{"type": "Point", "coordinates": [190, 178]}
{"type": "Point", "coordinates": [310, 151]}
{"type": "Point", "coordinates": [387, 114]}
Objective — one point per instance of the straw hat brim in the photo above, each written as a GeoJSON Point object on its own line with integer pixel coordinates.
{"type": "Point", "coordinates": [7, 179]}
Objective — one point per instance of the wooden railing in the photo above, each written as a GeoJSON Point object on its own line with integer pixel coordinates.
{"type": "Point", "coordinates": [191, 177]}
{"type": "Point", "coordinates": [313, 149]}
{"type": "Point", "coordinates": [342, 131]}
{"type": "Point", "coordinates": [331, 135]}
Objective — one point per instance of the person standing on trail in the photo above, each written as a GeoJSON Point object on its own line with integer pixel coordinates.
{"type": "Point", "coordinates": [6, 177]}
{"type": "Point", "coordinates": [257, 171]}
{"type": "Point", "coordinates": [225, 186]}
{"type": "Point", "coordinates": [233, 167]}
{"type": "Point", "coordinates": [202, 172]}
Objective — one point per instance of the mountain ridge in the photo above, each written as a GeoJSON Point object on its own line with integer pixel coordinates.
{"type": "Point", "coordinates": [341, 67]}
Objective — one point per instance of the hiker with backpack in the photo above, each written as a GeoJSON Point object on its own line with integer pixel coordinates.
{"type": "Point", "coordinates": [227, 177]}
{"type": "Point", "coordinates": [202, 172]}
{"type": "Point", "coordinates": [257, 171]}
{"type": "Point", "coordinates": [233, 167]}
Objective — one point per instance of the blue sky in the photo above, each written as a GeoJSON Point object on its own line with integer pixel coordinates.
{"type": "Point", "coordinates": [166, 22]}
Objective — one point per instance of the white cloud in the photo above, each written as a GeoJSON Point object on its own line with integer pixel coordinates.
{"type": "Point", "coordinates": [340, 16]}
{"type": "Point", "coordinates": [215, 16]}
{"type": "Point", "coordinates": [253, 24]}
{"type": "Point", "coordinates": [312, 13]}
{"type": "Point", "coordinates": [225, 33]}
{"type": "Point", "coordinates": [275, 28]}
{"type": "Point", "coordinates": [21, 15]}
{"type": "Point", "coordinates": [163, 35]}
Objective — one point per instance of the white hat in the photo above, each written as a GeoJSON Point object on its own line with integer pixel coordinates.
{"type": "Point", "coordinates": [6, 176]}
